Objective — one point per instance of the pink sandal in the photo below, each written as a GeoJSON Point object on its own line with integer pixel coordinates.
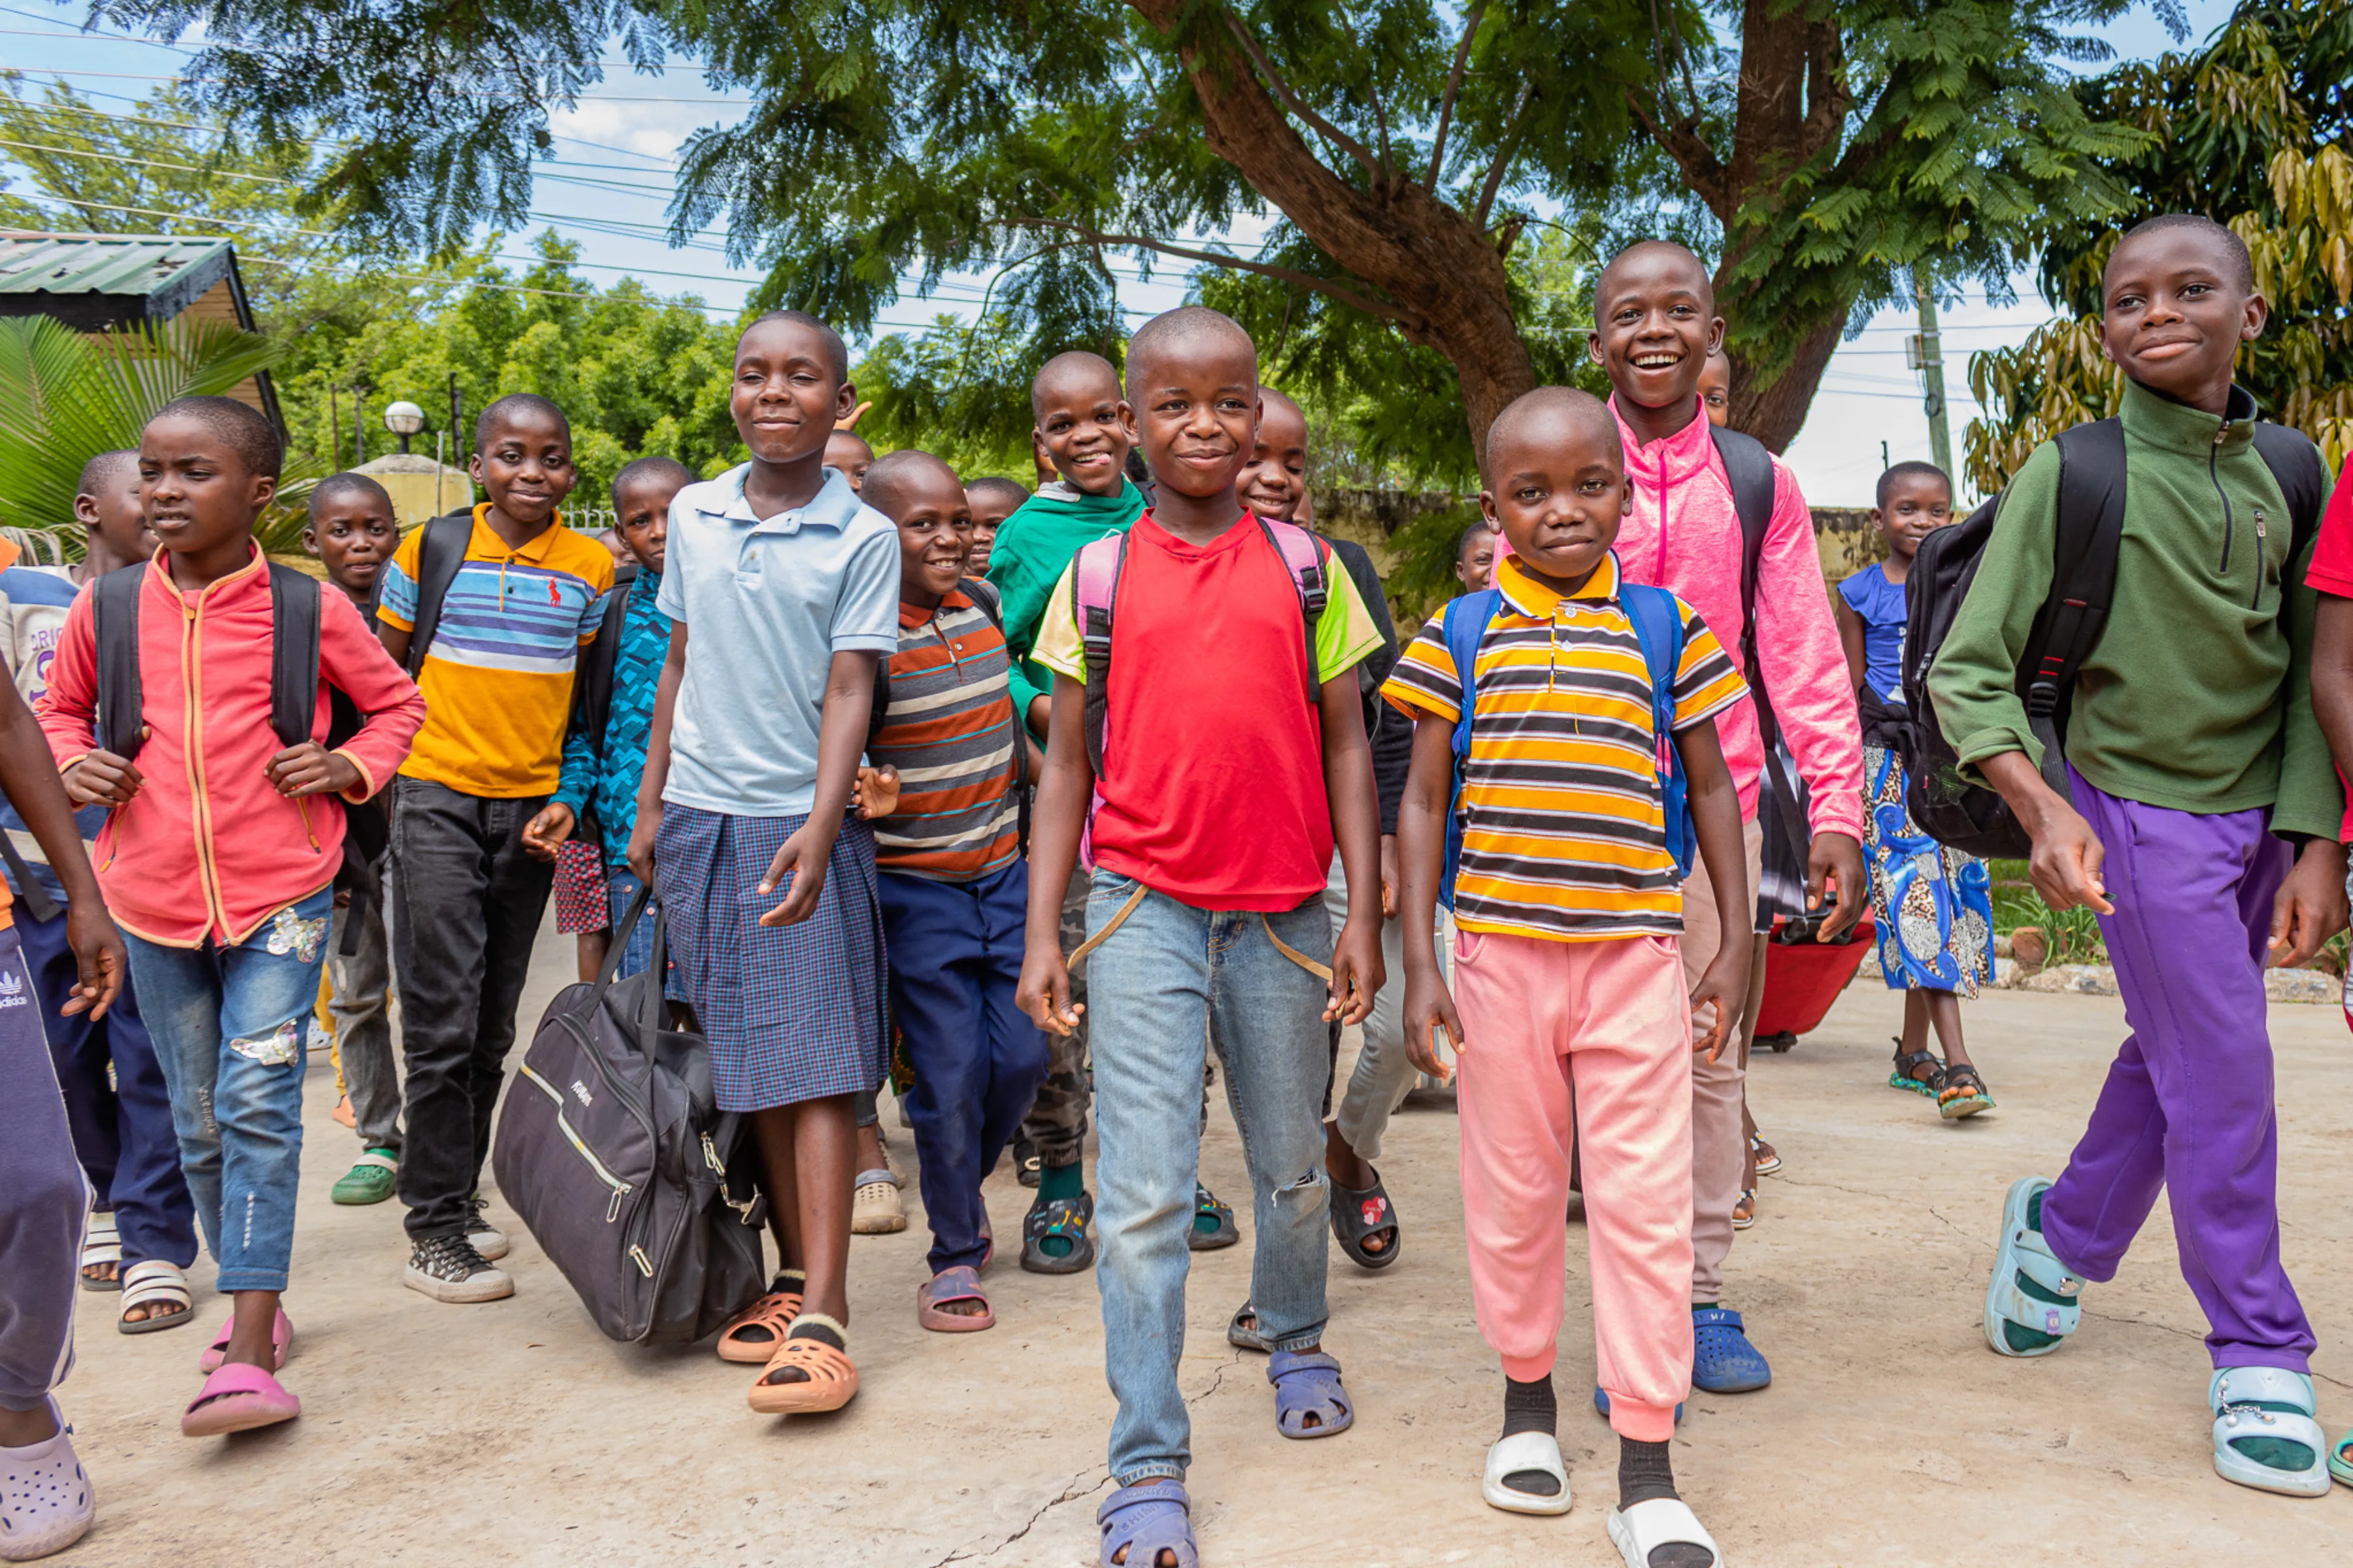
{"type": "Point", "coordinates": [237, 1397]}
{"type": "Point", "coordinates": [282, 1345]}
{"type": "Point", "coordinates": [961, 1283]}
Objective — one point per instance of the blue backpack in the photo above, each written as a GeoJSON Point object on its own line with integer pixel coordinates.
{"type": "Point", "coordinates": [1658, 627]}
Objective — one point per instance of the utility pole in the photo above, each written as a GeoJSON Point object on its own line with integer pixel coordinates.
{"type": "Point", "coordinates": [1927, 356]}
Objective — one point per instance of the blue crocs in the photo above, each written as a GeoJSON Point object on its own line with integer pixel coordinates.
{"type": "Point", "coordinates": [2264, 1436]}
{"type": "Point", "coordinates": [1307, 1384]}
{"type": "Point", "coordinates": [1145, 1521]}
{"type": "Point", "coordinates": [1601, 1405]}
{"type": "Point", "coordinates": [1722, 1361]}
{"type": "Point", "coordinates": [2033, 1301]}
{"type": "Point", "coordinates": [2340, 1459]}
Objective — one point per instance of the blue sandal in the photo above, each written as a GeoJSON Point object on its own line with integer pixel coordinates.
{"type": "Point", "coordinates": [2262, 1414]}
{"type": "Point", "coordinates": [2340, 1459]}
{"type": "Point", "coordinates": [1722, 1361]}
{"type": "Point", "coordinates": [2052, 1307]}
{"type": "Point", "coordinates": [1308, 1384]}
{"type": "Point", "coordinates": [1145, 1521]}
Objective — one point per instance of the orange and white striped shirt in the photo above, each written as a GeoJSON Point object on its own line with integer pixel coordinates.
{"type": "Point", "coordinates": [1565, 831]}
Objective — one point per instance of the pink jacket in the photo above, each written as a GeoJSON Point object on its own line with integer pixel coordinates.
{"type": "Point", "coordinates": [208, 848]}
{"type": "Point", "coordinates": [1695, 554]}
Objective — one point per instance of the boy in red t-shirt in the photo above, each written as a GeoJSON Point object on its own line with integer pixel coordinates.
{"type": "Point", "coordinates": [1222, 767]}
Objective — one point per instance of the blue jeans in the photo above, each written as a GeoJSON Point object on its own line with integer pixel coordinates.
{"type": "Point", "coordinates": [229, 1026]}
{"type": "Point", "coordinates": [623, 885]}
{"type": "Point", "coordinates": [1154, 988]}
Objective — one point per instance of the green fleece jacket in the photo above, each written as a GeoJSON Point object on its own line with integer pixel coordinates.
{"type": "Point", "coordinates": [1033, 549]}
{"type": "Point", "coordinates": [2198, 695]}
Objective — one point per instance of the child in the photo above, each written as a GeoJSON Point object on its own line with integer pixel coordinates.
{"type": "Point", "coordinates": [1364, 1221]}
{"type": "Point", "coordinates": [1656, 313]}
{"type": "Point", "coordinates": [955, 887]}
{"type": "Point", "coordinates": [221, 851]}
{"type": "Point", "coordinates": [1222, 789]}
{"type": "Point", "coordinates": [1086, 429]}
{"type": "Point", "coordinates": [353, 532]}
{"type": "Point", "coordinates": [992, 501]}
{"type": "Point", "coordinates": [1474, 558]}
{"type": "Point", "coordinates": [1934, 905]}
{"type": "Point", "coordinates": [603, 771]}
{"type": "Point", "coordinates": [1569, 915]}
{"type": "Point", "coordinates": [473, 837]}
{"type": "Point", "coordinates": [852, 454]}
{"type": "Point", "coordinates": [143, 1233]}
{"type": "Point", "coordinates": [1715, 387]}
{"type": "Point", "coordinates": [789, 588]}
{"type": "Point", "coordinates": [2194, 762]}
{"type": "Point", "coordinates": [46, 1500]}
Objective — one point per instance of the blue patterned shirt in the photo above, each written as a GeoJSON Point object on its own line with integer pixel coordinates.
{"type": "Point", "coordinates": [607, 786]}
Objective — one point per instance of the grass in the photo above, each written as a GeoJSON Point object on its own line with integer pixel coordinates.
{"type": "Point", "coordinates": [2075, 937]}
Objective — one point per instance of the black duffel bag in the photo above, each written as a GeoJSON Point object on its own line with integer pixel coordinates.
{"type": "Point", "coordinates": [612, 1148]}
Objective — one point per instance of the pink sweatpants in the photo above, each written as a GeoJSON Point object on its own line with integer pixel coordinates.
{"type": "Point", "coordinates": [1591, 1040]}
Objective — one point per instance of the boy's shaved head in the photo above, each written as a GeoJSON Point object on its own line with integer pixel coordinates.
{"type": "Point", "coordinates": [1656, 252]}
{"type": "Point", "coordinates": [896, 475]}
{"type": "Point", "coordinates": [1077, 371]}
{"type": "Point", "coordinates": [325, 493]}
{"type": "Point", "coordinates": [104, 468]}
{"type": "Point", "coordinates": [1546, 412]}
{"type": "Point", "coordinates": [2239, 267]}
{"type": "Point", "coordinates": [1011, 491]}
{"type": "Point", "coordinates": [837, 353]}
{"type": "Point", "coordinates": [242, 429]}
{"type": "Point", "coordinates": [522, 404]}
{"type": "Point", "coordinates": [666, 470]}
{"type": "Point", "coordinates": [1187, 329]}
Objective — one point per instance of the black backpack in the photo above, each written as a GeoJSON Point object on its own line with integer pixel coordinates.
{"type": "Point", "coordinates": [294, 612]}
{"type": "Point", "coordinates": [1956, 810]}
{"type": "Point", "coordinates": [438, 555]}
{"type": "Point", "coordinates": [611, 1148]}
{"type": "Point", "coordinates": [592, 688]}
{"type": "Point", "coordinates": [1748, 468]}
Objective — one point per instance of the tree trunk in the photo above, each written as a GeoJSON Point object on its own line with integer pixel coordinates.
{"type": "Point", "coordinates": [1775, 412]}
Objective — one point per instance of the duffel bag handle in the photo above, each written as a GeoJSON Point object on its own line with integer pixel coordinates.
{"type": "Point", "coordinates": [650, 1015]}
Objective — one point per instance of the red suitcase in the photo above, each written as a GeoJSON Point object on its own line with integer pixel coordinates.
{"type": "Point", "coordinates": [1803, 977]}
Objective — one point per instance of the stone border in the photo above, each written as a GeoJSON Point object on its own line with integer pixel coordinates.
{"type": "Point", "coordinates": [2308, 985]}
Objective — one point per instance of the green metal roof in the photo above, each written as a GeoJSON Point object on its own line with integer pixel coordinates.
{"type": "Point", "coordinates": [109, 277]}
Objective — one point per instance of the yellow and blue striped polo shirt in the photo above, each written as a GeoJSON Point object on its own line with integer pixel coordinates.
{"type": "Point", "coordinates": [1564, 832]}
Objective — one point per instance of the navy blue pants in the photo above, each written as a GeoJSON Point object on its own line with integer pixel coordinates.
{"type": "Point", "coordinates": [121, 1128]}
{"type": "Point", "coordinates": [956, 958]}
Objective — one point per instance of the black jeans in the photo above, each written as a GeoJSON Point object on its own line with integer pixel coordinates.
{"type": "Point", "coordinates": [467, 905]}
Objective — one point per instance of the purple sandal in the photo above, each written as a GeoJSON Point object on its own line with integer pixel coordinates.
{"type": "Point", "coordinates": [1145, 1521]}
{"type": "Point", "coordinates": [961, 1283]}
{"type": "Point", "coordinates": [1308, 1384]}
{"type": "Point", "coordinates": [238, 1397]}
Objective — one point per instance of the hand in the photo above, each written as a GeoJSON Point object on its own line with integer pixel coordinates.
{"type": "Point", "coordinates": [799, 870]}
{"type": "Point", "coordinates": [1355, 975]}
{"type": "Point", "coordinates": [101, 778]}
{"type": "Point", "coordinates": [2310, 906]}
{"type": "Point", "coordinates": [1429, 1009]}
{"type": "Point", "coordinates": [544, 835]}
{"type": "Point", "coordinates": [310, 769]}
{"type": "Point", "coordinates": [876, 792]}
{"type": "Point", "coordinates": [855, 415]}
{"type": "Point", "coordinates": [2066, 859]}
{"type": "Point", "coordinates": [1835, 857]}
{"type": "Point", "coordinates": [1725, 985]}
{"type": "Point", "coordinates": [640, 853]}
{"type": "Point", "coordinates": [1044, 990]}
{"type": "Point", "coordinates": [99, 959]}
{"type": "Point", "coordinates": [1390, 881]}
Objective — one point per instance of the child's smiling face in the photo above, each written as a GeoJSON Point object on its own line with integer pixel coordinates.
{"type": "Point", "coordinates": [923, 495]}
{"type": "Point", "coordinates": [2177, 305]}
{"type": "Point", "coordinates": [1655, 310]}
{"type": "Point", "coordinates": [1197, 408]}
{"type": "Point", "coordinates": [1560, 489]}
{"type": "Point", "coordinates": [1916, 506]}
{"type": "Point", "coordinates": [525, 463]}
{"type": "Point", "coordinates": [1085, 426]}
{"type": "Point", "coordinates": [788, 391]}
{"type": "Point", "coordinates": [1275, 478]}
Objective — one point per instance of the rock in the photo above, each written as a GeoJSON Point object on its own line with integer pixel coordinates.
{"type": "Point", "coordinates": [2302, 985]}
{"type": "Point", "coordinates": [2081, 979]}
{"type": "Point", "coordinates": [2029, 947]}
{"type": "Point", "coordinates": [2002, 947]}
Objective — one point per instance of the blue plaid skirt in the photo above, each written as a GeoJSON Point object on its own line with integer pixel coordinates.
{"type": "Point", "coordinates": [792, 1013]}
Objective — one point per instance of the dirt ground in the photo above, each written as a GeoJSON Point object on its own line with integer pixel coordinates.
{"type": "Point", "coordinates": [512, 1433]}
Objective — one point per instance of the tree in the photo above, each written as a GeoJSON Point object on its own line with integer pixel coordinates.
{"type": "Point", "coordinates": [1405, 146]}
{"type": "Point", "coordinates": [2255, 129]}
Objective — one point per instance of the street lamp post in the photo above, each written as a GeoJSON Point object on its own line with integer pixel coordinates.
{"type": "Point", "coordinates": [404, 420]}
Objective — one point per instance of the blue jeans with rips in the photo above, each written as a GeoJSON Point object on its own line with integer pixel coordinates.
{"type": "Point", "coordinates": [230, 1027]}
{"type": "Point", "coordinates": [1155, 989]}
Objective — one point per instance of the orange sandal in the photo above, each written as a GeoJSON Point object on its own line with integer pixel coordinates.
{"type": "Point", "coordinates": [772, 1314]}
{"type": "Point", "coordinates": [832, 1381]}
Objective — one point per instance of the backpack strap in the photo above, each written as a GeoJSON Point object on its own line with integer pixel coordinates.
{"type": "Point", "coordinates": [440, 554]}
{"type": "Point", "coordinates": [1094, 591]}
{"type": "Point", "coordinates": [1659, 628]}
{"type": "Point", "coordinates": [1748, 470]}
{"type": "Point", "coordinates": [1465, 623]}
{"type": "Point", "coordinates": [1302, 556]}
{"type": "Point", "coordinates": [592, 688]}
{"type": "Point", "coordinates": [294, 613]}
{"type": "Point", "coordinates": [114, 615]}
{"type": "Point", "coordinates": [2302, 475]}
{"type": "Point", "coordinates": [992, 605]}
{"type": "Point", "coordinates": [2091, 524]}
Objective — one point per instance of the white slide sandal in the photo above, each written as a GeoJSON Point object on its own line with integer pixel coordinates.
{"type": "Point", "coordinates": [101, 1243]}
{"type": "Point", "coordinates": [1524, 1451]}
{"type": "Point", "coordinates": [1660, 1521]}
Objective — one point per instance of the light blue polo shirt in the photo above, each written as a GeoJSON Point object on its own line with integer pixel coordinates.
{"type": "Point", "coordinates": [769, 603]}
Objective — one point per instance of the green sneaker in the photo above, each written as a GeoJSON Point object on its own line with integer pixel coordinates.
{"type": "Point", "coordinates": [370, 1181]}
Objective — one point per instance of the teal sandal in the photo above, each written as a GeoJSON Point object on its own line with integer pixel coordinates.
{"type": "Point", "coordinates": [2340, 1459]}
{"type": "Point", "coordinates": [2030, 1290]}
{"type": "Point", "coordinates": [2264, 1436]}
{"type": "Point", "coordinates": [1908, 1063]}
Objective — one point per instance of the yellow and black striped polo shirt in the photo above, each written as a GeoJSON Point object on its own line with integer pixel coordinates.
{"type": "Point", "coordinates": [1564, 832]}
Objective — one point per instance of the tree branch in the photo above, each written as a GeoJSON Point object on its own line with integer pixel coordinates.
{"type": "Point", "coordinates": [1504, 151]}
{"type": "Point", "coordinates": [1348, 297]}
{"type": "Point", "coordinates": [1373, 91]}
{"type": "Point", "coordinates": [1702, 168]}
{"type": "Point", "coordinates": [1323, 127]}
{"type": "Point", "coordinates": [1453, 90]}
{"type": "Point", "coordinates": [1658, 57]}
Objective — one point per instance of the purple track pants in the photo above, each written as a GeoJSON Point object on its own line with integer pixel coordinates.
{"type": "Point", "coordinates": [2188, 1102]}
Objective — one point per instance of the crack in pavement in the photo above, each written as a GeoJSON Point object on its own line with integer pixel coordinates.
{"type": "Point", "coordinates": [1970, 1236]}
{"type": "Point", "coordinates": [1217, 1381]}
{"type": "Point", "coordinates": [1070, 1493]}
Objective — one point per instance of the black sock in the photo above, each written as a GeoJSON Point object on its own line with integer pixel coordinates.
{"type": "Point", "coordinates": [809, 1327]}
{"type": "Point", "coordinates": [1644, 1471]}
{"type": "Point", "coordinates": [1531, 1407]}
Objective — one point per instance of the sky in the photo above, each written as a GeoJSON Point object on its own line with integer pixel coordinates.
{"type": "Point", "coordinates": [627, 132]}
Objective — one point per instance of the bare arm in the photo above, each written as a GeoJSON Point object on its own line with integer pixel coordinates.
{"type": "Point", "coordinates": [840, 739]}
{"type": "Point", "coordinates": [657, 773]}
{"type": "Point", "coordinates": [1849, 628]}
{"type": "Point", "coordinates": [1421, 856]}
{"type": "Point", "coordinates": [30, 776]}
{"type": "Point", "coordinates": [1715, 802]}
{"type": "Point", "coordinates": [1357, 825]}
{"type": "Point", "coordinates": [1064, 788]}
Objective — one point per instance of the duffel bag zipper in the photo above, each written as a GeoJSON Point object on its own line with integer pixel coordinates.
{"type": "Point", "coordinates": [620, 1188]}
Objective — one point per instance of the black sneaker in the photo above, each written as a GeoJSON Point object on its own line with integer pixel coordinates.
{"type": "Point", "coordinates": [447, 1268]}
{"type": "Point", "coordinates": [488, 1239]}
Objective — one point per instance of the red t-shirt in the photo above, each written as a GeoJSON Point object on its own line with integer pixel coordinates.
{"type": "Point", "coordinates": [1213, 772]}
{"type": "Point", "coordinates": [2332, 572]}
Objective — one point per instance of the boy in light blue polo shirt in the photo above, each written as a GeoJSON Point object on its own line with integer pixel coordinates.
{"type": "Point", "coordinates": [783, 595]}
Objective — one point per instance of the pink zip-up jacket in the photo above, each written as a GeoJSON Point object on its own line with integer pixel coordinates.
{"type": "Point", "coordinates": [1684, 536]}
{"type": "Point", "coordinates": [208, 848]}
